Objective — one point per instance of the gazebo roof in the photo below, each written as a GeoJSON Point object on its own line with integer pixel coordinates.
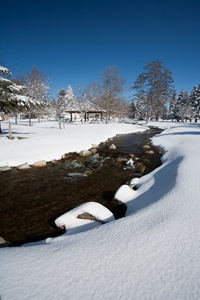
{"type": "Point", "coordinates": [83, 106]}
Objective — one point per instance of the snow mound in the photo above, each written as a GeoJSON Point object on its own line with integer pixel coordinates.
{"type": "Point", "coordinates": [74, 222]}
{"type": "Point", "coordinates": [125, 194]}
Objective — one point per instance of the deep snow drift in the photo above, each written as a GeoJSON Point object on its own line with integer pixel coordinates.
{"type": "Point", "coordinates": [152, 253]}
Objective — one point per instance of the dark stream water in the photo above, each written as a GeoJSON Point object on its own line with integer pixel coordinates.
{"type": "Point", "coordinates": [30, 200]}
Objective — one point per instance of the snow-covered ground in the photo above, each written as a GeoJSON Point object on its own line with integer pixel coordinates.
{"type": "Point", "coordinates": [152, 253]}
{"type": "Point", "coordinates": [45, 141]}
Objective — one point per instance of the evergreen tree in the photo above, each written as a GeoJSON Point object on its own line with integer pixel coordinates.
{"type": "Point", "coordinates": [10, 99]}
{"type": "Point", "coordinates": [132, 110]}
{"type": "Point", "coordinates": [154, 88]}
{"type": "Point", "coordinates": [195, 102]}
{"type": "Point", "coordinates": [172, 106]}
{"type": "Point", "coordinates": [187, 104]}
{"type": "Point", "coordinates": [60, 105]}
{"type": "Point", "coordinates": [70, 100]}
{"type": "Point", "coordinates": [182, 107]}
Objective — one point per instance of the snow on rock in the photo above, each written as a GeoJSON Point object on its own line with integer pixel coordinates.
{"type": "Point", "coordinates": [95, 146]}
{"type": "Point", "coordinates": [130, 163]}
{"type": "Point", "coordinates": [41, 163]}
{"type": "Point", "coordinates": [85, 153]}
{"type": "Point", "coordinates": [4, 169]}
{"type": "Point", "coordinates": [23, 167]}
{"type": "Point", "coordinates": [112, 147]}
{"type": "Point", "coordinates": [71, 220]}
{"type": "Point", "coordinates": [125, 194]}
{"type": "Point", "coordinates": [134, 181]}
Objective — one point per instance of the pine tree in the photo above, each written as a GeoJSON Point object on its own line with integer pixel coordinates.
{"type": "Point", "coordinates": [154, 88]}
{"type": "Point", "coordinates": [10, 99]}
{"type": "Point", "coordinates": [182, 107]}
{"type": "Point", "coordinates": [188, 109]}
{"type": "Point", "coordinates": [60, 105]}
{"type": "Point", "coordinates": [172, 106]}
{"type": "Point", "coordinates": [195, 102]}
{"type": "Point", "coordinates": [70, 100]}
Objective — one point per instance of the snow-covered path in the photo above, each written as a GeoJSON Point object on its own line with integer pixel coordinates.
{"type": "Point", "coordinates": [152, 253]}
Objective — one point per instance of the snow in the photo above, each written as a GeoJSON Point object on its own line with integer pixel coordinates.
{"type": "Point", "coordinates": [152, 253]}
{"type": "Point", "coordinates": [75, 225]}
{"type": "Point", "coordinates": [45, 141]}
{"type": "Point", "coordinates": [4, 70]}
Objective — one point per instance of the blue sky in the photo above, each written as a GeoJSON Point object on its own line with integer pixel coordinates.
{"type": "Point", "coordinates": [73, 41]}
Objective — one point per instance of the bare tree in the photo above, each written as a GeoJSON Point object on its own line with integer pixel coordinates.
{"type": "Point", "coordinates": [111, 91]}
{"type": "Point", "coordinates": [92, 92]}
{"type": "Point", "coordinates": [35, 87]}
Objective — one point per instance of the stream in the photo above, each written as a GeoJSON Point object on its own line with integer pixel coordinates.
{"type": "Point", "coordinates": [30, 200]}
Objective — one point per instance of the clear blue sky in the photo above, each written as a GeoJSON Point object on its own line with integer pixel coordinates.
{"type": "Point", "coordinates": [73, 41]}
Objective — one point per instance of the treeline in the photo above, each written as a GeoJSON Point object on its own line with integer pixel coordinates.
{"type": "Point", "coordinates": [29, 94]}
{"type": "Point", "coordinates": [185, 106]}
{"type": "Point", "coordinates": [154, 89]}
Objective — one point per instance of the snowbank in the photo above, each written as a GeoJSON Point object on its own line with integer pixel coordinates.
{"type": "Point", "coordinates": [152, 253]}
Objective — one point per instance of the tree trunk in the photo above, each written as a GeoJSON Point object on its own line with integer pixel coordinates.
{"type": "Point", "coordinates": [0, 127]}
{"type": "Point", "coordinates": [59, 120]}
{"type": "Point", "coordinates": [10, 132]}
{"type": "Point", "coordinates": [16, 118]}
{"type": "Point", "coordinates": [29, 119]}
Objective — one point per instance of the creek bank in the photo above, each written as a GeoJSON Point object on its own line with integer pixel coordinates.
{"type": "Point", "coordinates": [31, 200]}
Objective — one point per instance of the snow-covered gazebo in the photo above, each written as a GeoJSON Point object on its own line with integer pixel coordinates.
{"type": "Point", "coordinates": [88, 108]}
{"type": "Point", "coordinates": [85, 107]}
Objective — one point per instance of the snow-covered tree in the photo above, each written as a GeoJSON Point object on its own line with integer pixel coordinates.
{"type": "Point", "coordinates": [35, 87]}
{"type": "Point", "coordinates": [172, 106]}
{"type": "Point", "coordinates": [139, 110]}
{"type": "Point", "coordinates": [60, 105]}
{"type": "Point", "coordinates": [183, 107]}
{"type": "Point", "coordinates": [11, 100]}
{"type": "Point", "coordinates": [154, 88]}
{"type": "Point", "coordinates": [4, 72]}
{"type": "Point", "coordinates": [195, 102]}
{"type": "Point", "coordinates": [70, 99]}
